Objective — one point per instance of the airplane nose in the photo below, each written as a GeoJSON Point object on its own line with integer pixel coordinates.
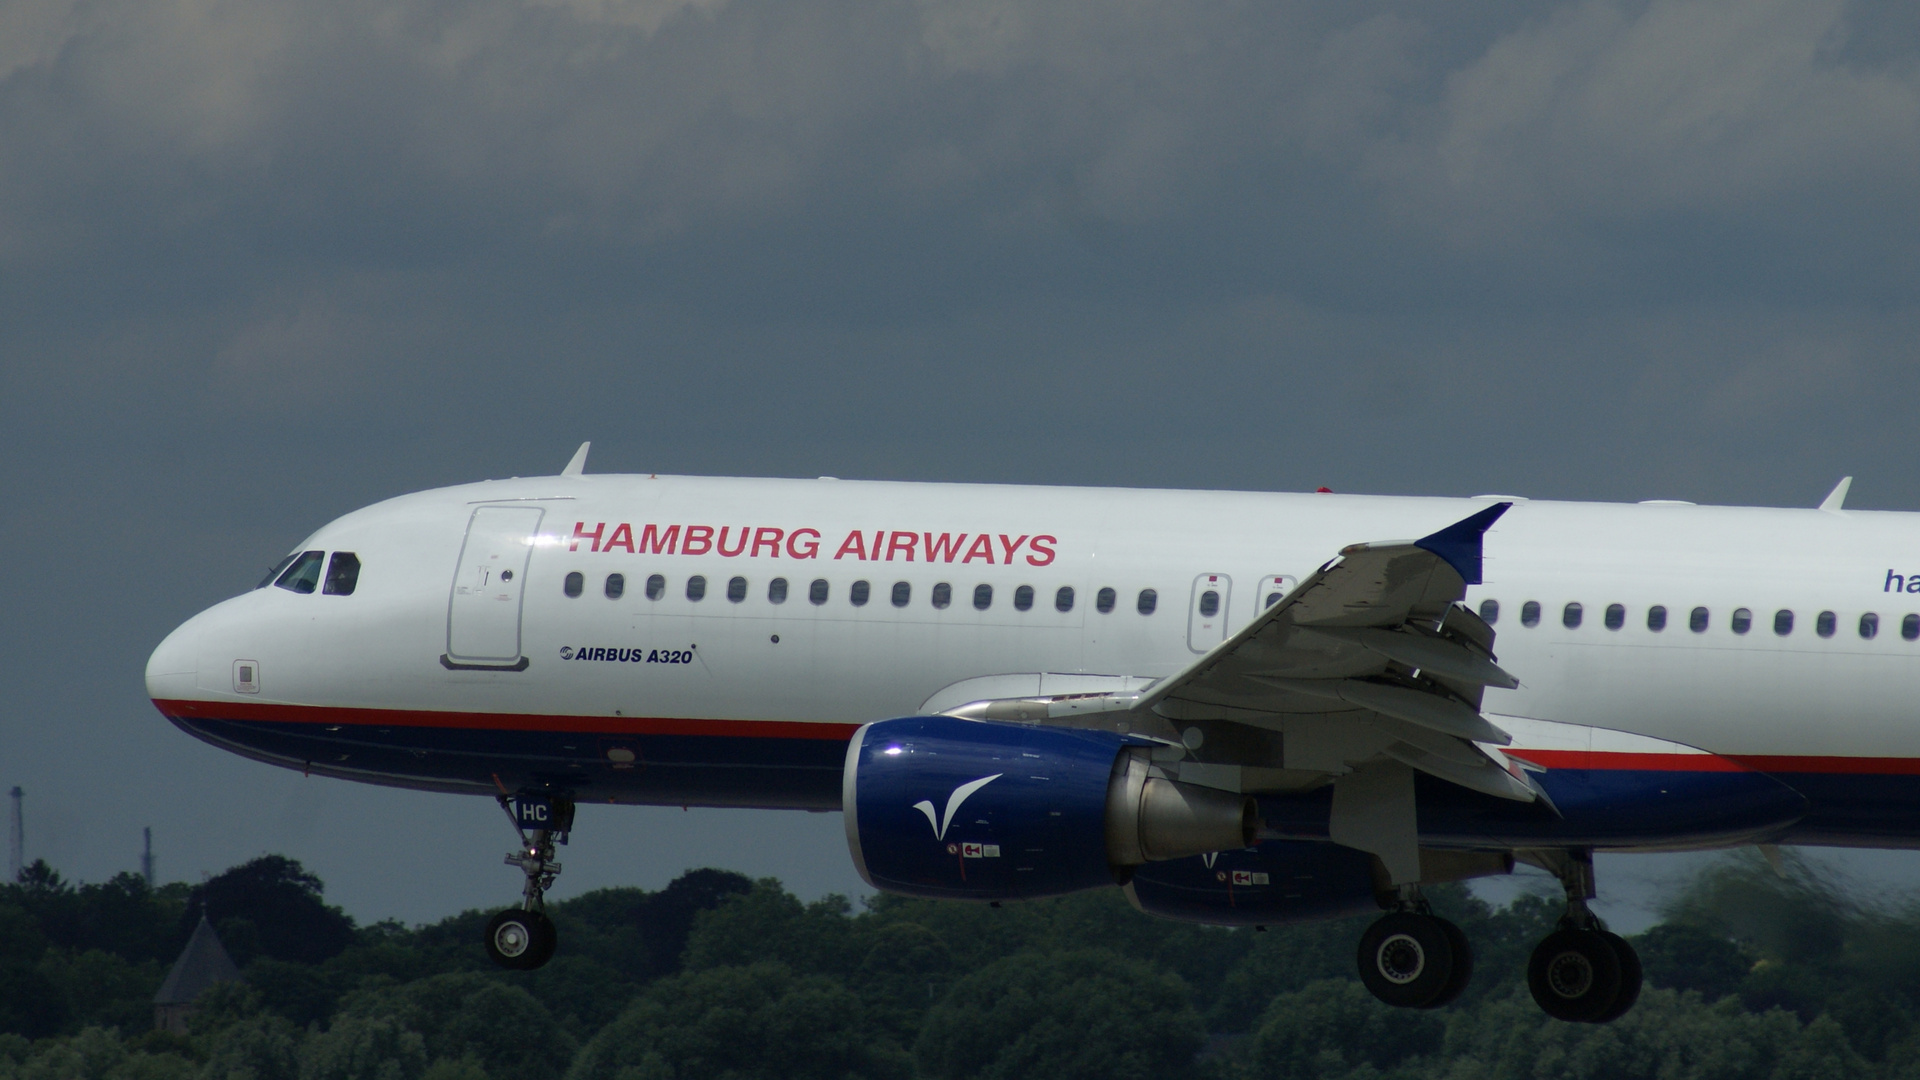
{"type": "Point", "coordinates": [173, 671]}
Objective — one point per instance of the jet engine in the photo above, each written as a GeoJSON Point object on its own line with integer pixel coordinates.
{"type": "Point", "coordinates": [946, 808]}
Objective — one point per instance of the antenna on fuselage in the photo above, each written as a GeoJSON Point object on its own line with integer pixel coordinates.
{"type": "Point", "coordinates": [1831, 504]}
{"type": "Point", "coordinates": [579, 463]}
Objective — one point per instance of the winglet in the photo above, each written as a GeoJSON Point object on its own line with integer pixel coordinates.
{"type": "Point", "coordinates": [1837, 496]}
{"type": "Point", "coordinates": [1459, 543]}
{"type": "Point", "coordinates": [579, 463]}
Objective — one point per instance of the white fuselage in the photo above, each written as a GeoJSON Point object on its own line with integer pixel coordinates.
{"type": "Point", "coordinates": [1802, 702]}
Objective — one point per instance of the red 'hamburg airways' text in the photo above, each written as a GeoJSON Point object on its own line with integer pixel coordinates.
{"type": "Point", "coordinates": [768, 542]}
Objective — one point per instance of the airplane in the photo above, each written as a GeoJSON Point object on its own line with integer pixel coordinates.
{"type": "Point", "coordinates": [1240, 708]}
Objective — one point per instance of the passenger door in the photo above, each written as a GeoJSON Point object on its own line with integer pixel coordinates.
{"type": "Point", "coordinates": [1207, 611]}
{"type": "Point", "coordinates": [483, 614]}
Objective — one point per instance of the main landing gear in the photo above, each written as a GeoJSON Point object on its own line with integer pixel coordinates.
{"type": "Point", "coordinates": [523, 938]}
{"type": "Point", "coordinates": [1415, 959]}
{"type": "Point", "coordinates": [1582, 972]}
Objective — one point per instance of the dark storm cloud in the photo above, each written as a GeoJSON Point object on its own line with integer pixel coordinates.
{"type": "Point", "coordinates": [264, 262]}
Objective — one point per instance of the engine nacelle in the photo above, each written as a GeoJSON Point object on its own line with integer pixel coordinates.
{"type": "Point", "coordinates": [946, 808]}
{"type": "Point", "coordinates": [1278, 881]}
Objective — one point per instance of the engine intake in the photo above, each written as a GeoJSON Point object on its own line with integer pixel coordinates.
{"type": "Point", "coordinates": [943, 807]}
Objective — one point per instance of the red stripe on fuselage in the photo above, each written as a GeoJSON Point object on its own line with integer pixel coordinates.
{"type": "Point", "coordinates": [1765, 763]}
{"type": "Point", "coordinates": [270, 712]}
{"type": "Point", "coordinates": [1620, 761]}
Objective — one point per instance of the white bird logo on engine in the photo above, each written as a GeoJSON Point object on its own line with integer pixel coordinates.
{"type": "Point", "coordinates": [954, 800]}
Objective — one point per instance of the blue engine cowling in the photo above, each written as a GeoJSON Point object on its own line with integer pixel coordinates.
{"type": "Point", "coordinates": [1275, 882]}
{"type": "Point", "coordinates": [947, 808]}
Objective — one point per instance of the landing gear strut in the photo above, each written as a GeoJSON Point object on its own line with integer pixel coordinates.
{"type": "Point", "coordinates": [523, 938]}
{"type": "Point", "coordinates": [1413, 958]}
{"type": "Point", "coordinates": [1582, 972]}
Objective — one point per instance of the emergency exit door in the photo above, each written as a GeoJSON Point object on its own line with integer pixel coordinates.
{"type": "Point", "coordinates": [483, 615]}
{"type": "Point", "coordinates": [1207, 611]}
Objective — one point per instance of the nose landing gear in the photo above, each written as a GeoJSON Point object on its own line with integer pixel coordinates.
{"type": "Point", "coordinates": [523, 938]}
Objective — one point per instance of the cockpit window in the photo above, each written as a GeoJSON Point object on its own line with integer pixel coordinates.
{"type": "Point", "coordinates": [275, 572]}
{"type": "Point", "coordinates": [343, 573]}
{"type": "Point", "coordinates": [304, 575]}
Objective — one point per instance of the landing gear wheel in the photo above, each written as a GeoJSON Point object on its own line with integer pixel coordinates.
{"type": "Point", "coordinates": [1462, 966]}
{"type": "Point", "coordinates": [520, 940]}
{"type": "Point", "coordinates": [1575, 975]}
{"type": "Point", "coordinates": [1629, 979]}
{"type": "Point", "coordinates": [1407, 959]}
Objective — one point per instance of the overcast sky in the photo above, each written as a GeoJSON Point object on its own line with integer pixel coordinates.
{"type": "Point", "coordinates": [265, 261]}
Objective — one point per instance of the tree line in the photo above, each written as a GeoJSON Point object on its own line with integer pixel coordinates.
{"type": "Point", "coordinates": [1750, 975]}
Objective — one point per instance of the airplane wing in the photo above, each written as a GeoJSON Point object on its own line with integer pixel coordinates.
{"type": "Point", "coordinates": [1371, 656]}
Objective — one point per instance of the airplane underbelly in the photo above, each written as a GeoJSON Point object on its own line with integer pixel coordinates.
{"type": "Point", "coordinates": [634, 760]}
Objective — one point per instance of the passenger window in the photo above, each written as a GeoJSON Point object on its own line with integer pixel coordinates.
{"type": "Point", "coordinates": [1824, 623]}
{"type": "Point", "coordinates": [942, 595]}
{"type": "Point", "coordinates": [1742, 620]}
{"type": "Point", "coordinates": [696, 588]}
{"type": "Point", "coordinates": [777, 591]}
{"type": "Point", "coordinates": [1209, 604]}
{"type": "Point", "coordinates": [1147, 602]}
{"type": "Point", "coordinates": [304, 575]}
{"type": "Point", "coordinates": [1657, 618]}
{"type": "Point", "coordinates": [817, 592]}
{"type": "Point", "coordinates": [1869, 625]}
{"type": "Point", "coordinates": [982, 597]}
{"type": "Point", "coordinates": [616, 586]}
{"type": "Point", "coordinates": [1697, 620]}
{"type": "Point", "coordinates": [343, 573]}
{"type": "Point", "coordinates": [736, 589]}
{"type": "Point", "coordinates": [1783, 622]}
{"type": "Point", "coordinates": [656, 587]}
{"type": "Point", "coordinates": [1616, 616]}
{"type": "Point", "coordinates": [1103, 600]}
{"type": "Point", "coordinates": [576, 584]}
{"type": "Point", "coordinates": [1530, 613]}
{"type": "Point", "coordinates": [858, 595]}
{"type": "Point", "coordinates": [1023, 598]}
{"type": "Point", "coordinates": [275, 572]}
{"type": "Point", "coordinates": [1910, 627]}
{"type": "Point", "coordinates": [902, 594]}
{"type": "Point", "coordinates": [1570, 615]}
{"type": "Point", "coordinates": [1063, 598]}
{"type": "Point", "coordinates": [1489, 611]}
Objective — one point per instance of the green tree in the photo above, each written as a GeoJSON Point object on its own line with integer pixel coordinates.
{"type": "Point", "coordinates": [364, 1048]}
{"type": "Point", "coordinates": [257, 1047]}
{"type": "Point", "coordinates": [30, 1005]}
{"type": "Point", "coordinates": [771, 924]}
{"type": "Point", "coordinates": [1087, 1013]}
{"type": "Point", "coordinates": [501, 1028]}
{"type": "Point", "coordinates": [1334, 1027]}
{"type": "Point", "coordinates": [1679, 956]}
{"type": "Point", "coordinates": [274, 902]}
{"type": "Point", "coordinates": [759, 1022]}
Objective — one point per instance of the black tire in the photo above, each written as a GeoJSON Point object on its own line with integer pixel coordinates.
{"type": "Point", "coordinates": [1406, 960]}
{"type": "Point", "coordinates": [1462, 966]}
{"type": "Point", "coordinates": [1574, 975]}
{"type": "Point", "coordinates": [520, 940]}
{"type": "Point", "coordinates": [1629, 979]}
{"type": "Point", "coordinates": [549, 940]}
